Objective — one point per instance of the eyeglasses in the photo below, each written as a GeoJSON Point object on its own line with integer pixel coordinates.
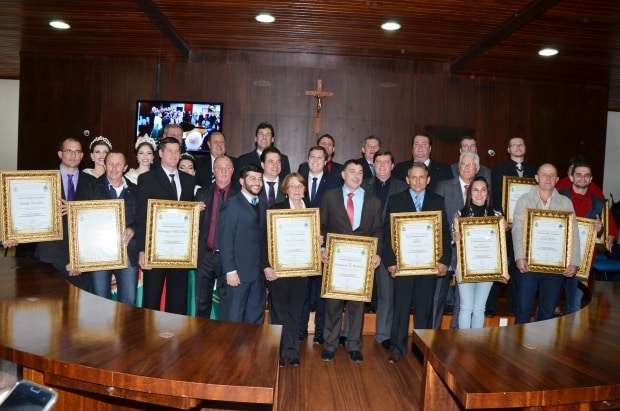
{"type": "Point", "coordinates": [73, 152]}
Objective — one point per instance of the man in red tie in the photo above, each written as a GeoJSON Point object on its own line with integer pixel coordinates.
{"type": "Point", "coordinates": [351, 211]}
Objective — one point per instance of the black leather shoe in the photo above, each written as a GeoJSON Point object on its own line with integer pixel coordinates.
{"type": "Point", "coordinates": [327, 355]}
{"type": "Point", "coordinates": [387, 344]}
{"type": "Point", "coordinates": [294, 362]}
{"type": "Point", "coordinates": [318, 339]}
{"type": "Point", "coordinates": [282, 362]}
{"type": "Point", "coordinates": [394, 358]}
{"type": "Point", "coordinates": [356, 356]}
{"type": "Point", "coordinates": [342, 340]}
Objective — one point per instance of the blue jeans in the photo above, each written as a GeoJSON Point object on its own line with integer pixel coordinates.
{"type": "Point", "coordinates": [473, 301]}
{"type": "Point", "coordinates": [547, 286]}
{"type": "Point", "coordinates": [573, 295]}
{"type": "Point", "coordinates": [126, 281]}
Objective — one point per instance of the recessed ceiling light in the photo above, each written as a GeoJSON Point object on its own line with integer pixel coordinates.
{"type": "Point", "coordinates": [390, 26]}
{"type": "Point", "coordinates": [265, 18]}
{"type": "Point", "coordinates": [547, 52]}
{"type": "Point", "coordinates": [59, 24]}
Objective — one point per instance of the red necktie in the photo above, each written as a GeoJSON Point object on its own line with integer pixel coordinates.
{"type": "Point", "coordinates": [217, 199]}
{"type": "Point", "coordinates": [351, 209]}
{"type": "Point", "coordinates": [329, 166]}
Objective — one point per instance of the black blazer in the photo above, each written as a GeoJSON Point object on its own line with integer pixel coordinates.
{"type": "Point", "coordinates": [328, 182]}
{"type": "Point", "coordinates": [402, 203]}
{"type": "Point", "coordinates": [253, 158]}
{"type": "Point", "coordinates": [263, 193]}
{"type": "Point", "coordinates": [367, 171]}
{"type": "Point", "coordinates": [204, 170]}
{"type": "Point", "coordinates": [337, 168]}
{"type": "Point", "coordinates": [507, 168]}
{"type": "Point", "coordinates": [396, 186]}
{"type": "Point", "coordinates": [156, 184]}
{"type": "Point", "coordinates": [205, 194]}
{"type": "Point", "coordinates": [437, 172]}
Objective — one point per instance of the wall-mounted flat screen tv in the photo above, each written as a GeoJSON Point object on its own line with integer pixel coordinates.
{"type": "Point", "coordinates": [196, 118]}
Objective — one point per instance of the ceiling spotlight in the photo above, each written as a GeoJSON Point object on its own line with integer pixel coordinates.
{"type": "Point", "coordinates": [265, 18]}
{"type": "Point", "coordinates": [390, 26]}
{"type": "Point", "coordinates": [59, 24]}
{"type": "Point", "coordinates": [547, 52]}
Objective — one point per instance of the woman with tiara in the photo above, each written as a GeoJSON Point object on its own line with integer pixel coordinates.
{"type": "Point", "coordinates": [145, 153]}
{"type": "Point", "coordinates": [99, 148]}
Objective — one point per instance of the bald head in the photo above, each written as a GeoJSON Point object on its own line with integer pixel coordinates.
{"type": "Point", "coordinates": [547, 177]}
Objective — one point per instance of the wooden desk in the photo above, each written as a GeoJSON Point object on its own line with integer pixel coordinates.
{"type": "Point", "coordinates": [564, 363]}
{"type": "Point", "coordinates": [108, 355]}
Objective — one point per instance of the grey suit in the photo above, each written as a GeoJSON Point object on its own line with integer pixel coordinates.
{"type": "Point", "coordinates": [452, 193]}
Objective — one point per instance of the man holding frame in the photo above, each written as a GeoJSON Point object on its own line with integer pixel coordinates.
{"type": "Point", "coordinates": [548, 286]}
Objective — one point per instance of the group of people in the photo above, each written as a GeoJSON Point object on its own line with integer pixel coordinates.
{"type": "Point", "coordinates": [354, 198]}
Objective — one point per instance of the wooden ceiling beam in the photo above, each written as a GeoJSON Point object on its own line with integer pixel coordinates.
{"type": "Point", "coordinates": [519, 19]}
{"type": "Point", "coordinates": [164, 25]}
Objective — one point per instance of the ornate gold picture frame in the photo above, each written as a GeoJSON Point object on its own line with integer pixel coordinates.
{"type": "Point", "coordinates": [417, 227]}
{"type": "Point", "coordinates": [481, 250]}
{"type": "Point", "coordinates": [512, 189]}
{"type": "Point", "coordinates": [587, 243]}
{"type": "Point", "coordinates": [601, 239]}
{"type": "Point", "coordinates": [548, 240]}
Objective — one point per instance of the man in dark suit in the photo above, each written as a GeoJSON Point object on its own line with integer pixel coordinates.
{"type": "Point", "coordinates": [319, 181]}
{"type": "Point", "coordinates": [421, 152]}
{"type": "Point", "coordinates": [74, 186]}
{"type": "Point", "coordinates": [166, 182]}
{"type": "Point", "coordinates": [216, 142]}
{"type": "Point", "coordinates": [371, 145]}
{"type": "Point", "coordinates": [209, 264]}
{"type": "Point", "coordinates": [331, 167]}
{"type": "Point", "coordinates": [271, 162]}
{"type": "Point", "coordinates": [241, 241]}
{"type": "Point", "coordinates": [470, 144]}
{"type": "Point", "coordinates": [414, 290]}
{"type": "Point", "coordinates": [383, 186]}
{"type": "Point", "coordinates": [264, 137]}
{"type": "Point", "coordinates": [453, 192]}
{"type": "Point", "coordinates": [361, 216]}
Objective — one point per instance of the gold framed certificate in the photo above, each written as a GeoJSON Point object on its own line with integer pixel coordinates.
{"type": "Point", "coordinates": [512, 189]}
{"type": "Point", "coordinates": [417, 241]}
{"type": "Point", "coordinates": [601, 238]}
{"type": "Point", "coordinates": [293, 242]}
{"type": "Point", "coordinates": [481, 249]}
{"type": "Point", "coordinates": [587, 240]}
{"type": "Point", "coordinates": [171, 234]}
{"type": "Point", "coordinates": [96, 235]}
{"type": "Point", "coordinates": [548, 240]}
{"type": "Point", "coordinates": [349, 272]}
{"type": "Point", "coordinates": [30, 211]}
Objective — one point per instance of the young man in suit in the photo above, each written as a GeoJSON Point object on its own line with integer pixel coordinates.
{"type": "Point", "coordinates": [421, 152]}
{"type": "Point", "coordinates": [241, 241]}
{"type": "Point", "coordinates": [371, 145]}
{"type": "Point", "coordinates": [271, 162]}
{"type": "Point", "coordinates": [453, 192]}
{"type": "Point", "coordinates": [166, 182]}
{"type": "Point", "coordinates": [263, 138]}
{"type": "Point", "coordinates": [216, 142]}
{"type": "Point", "coordinates": [470, 144]}
{"type": "Point", "coordinates": [414, 290]}
{"type": "Point", "coordinates": [351, 211]}
{"type": "Point", "coordinates": [331, 167]}
{"type": "Point", "coordinates": [209, 264]}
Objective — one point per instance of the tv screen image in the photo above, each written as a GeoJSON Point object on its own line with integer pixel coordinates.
{"type": "Point", "coordinates": [196, 118]}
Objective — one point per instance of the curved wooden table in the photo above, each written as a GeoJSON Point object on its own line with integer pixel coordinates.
{"type": "Point", "coordinates": [570, 362]}
{"type": "Point", "coordinates": [100, 354]}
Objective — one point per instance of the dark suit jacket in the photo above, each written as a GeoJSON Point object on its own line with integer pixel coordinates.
{"type": "Point", "coordinates": [367, 171]}
{"type": "Point", "coordinates": [156, 184]}
{"type": "Point", "coordinates": [403, 203]}
{"type": "Point", "coordinates": [396, 186]}
{"type": "Point", "coordinates": [328, 182]}
{"type": "Point", "coordinates": [57, 252]}
{"type": "Point", "coordinates": [241, 238]}
{"type": "Point", "coordinates": [437, 172]}
{"type": "Point", "coordinates": [304, 170]}
{"type": "Point", "coordinates": [263, 193]}
{"type": "Point", "coordinates": [507, 168]}
{"type": "Point", "coordinates": [204, 170]}
{"type": "Point", "coordinates": [452, 195]}
{"type": "Point", "coordinates": [334, 218]}
{"type": "Point", "coordinates": [253, 158]}
{"type": "Point", "coordinates": [484, 172]}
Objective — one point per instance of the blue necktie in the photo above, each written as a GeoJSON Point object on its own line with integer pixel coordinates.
{"type": "Point", "coordinates": [70, 188]}
{"type": "Point", "coordinates": [418, 202]}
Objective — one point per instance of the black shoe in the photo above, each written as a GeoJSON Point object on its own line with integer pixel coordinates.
{"type": "Point", "coordinates": [318, 339]}
{"type": "Point", "coordinates": [327, 355]}
{"type": "Point", "coordinates": [394, 358]}
{"type": "Point", "coordinates": [282, 362]}
{"type": "Point", "coordinates": [294, 362]}
{"type": "Point", "coordinates": [356, 356]}
{"type": "Point", "coordinates": [342, 340]}
{"type": "Point", "coordinates": [387, 344]}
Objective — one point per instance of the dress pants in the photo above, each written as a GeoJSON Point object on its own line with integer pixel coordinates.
{"type": "Point", "coordinates": [354, 317]}
{"type": "Point", "coordinates": [244, 303]}
{"type": "Point", "coordinates": [287, 303]}
{"type": "Point", "coordinates": [313, 299]}
{"type": "Point", "coordinates": [439, 300]}
{"type": "Point", "coordinates": [176, 289]}
{"type": "Point", "coordinates": [572, 294]}
{"type": "Point", "coordinates": [547, 286]}
{"type": "Point", "coordinates": [209, 270]}
{"type": "Point", "coordinates": [126, 284]}
{"type": "Point", "coordinates": [385, 303]}
{"type": "Point", "coordinates": [417, 291]}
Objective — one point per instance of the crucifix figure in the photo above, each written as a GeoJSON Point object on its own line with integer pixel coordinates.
{"type": "Point", "coordinates": [318, 94]}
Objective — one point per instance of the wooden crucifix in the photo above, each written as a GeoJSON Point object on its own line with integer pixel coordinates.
{"type": "Point", "coordinates": [319, 95]}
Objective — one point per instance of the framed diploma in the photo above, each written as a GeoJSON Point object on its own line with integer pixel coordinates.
{"type": "Point", "coordinates": [481, 249]}
{"type": "Point", "coordinates": [601, 238]}
{"type": "Point", "coordinates": [96, 235]}
{"type": "Point", "coordinates": [349, 272]}
{"type": "Point", "coordinates": [30, 211]}
{"type": "Point", "coordinates": [512, 189]}
{"type": "Point", "coordinates": [587, 240]}
{"type": "Point", "coordinates": [171, 234]}
{"type": "Point", "coordinates": [548, 240]}
{"type": "Point", "coordinates": [417, 242]}
{"type": "Point", "coordinates": [293, 242]}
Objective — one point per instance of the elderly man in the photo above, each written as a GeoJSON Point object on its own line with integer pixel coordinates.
{"type": "Point", "coordinates": [216, 141]}
{"type": "Point", "coordinates": [470, 144]}
{"type": "Point", "coordinates": [453, 191]}
{"type": "Point", "coordinates": [547, 286]}
{"type": "Point", "coordinates": [421, 152]}
{"type": "Point", "coordinates": [371, 145]}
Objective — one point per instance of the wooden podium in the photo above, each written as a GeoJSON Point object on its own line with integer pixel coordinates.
{"type": "Point", "coordinates": [100, 354]}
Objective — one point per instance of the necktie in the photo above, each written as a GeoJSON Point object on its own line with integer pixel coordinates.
{"type": "Point", "coordinates": [372, 168]}
{"type": "Point", "coordinates": [174, 186]}
{"type": "Point", "coordinates": [314, 187]}
{"type": "Point", "coordinates": [70, 188]}
{"type": "Point", "coordinates": [254, 203]}
{"type": "Point", "coordinates": [520, 169]}
{"type": "Point", "coordinates": [350, 209]}
{"type": "Point", "coordinates": [329, 166]}
{"type": "Point", "coordinates": [212, 178]}
{"type": "Point", "coordinates": [271, 195]}
{"type": "Point", "coordinates": [465, 192]}
{"type": "Point", "coordinates": [418, 202]}
{"type": "Point", "coordinates": [218, 198]}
